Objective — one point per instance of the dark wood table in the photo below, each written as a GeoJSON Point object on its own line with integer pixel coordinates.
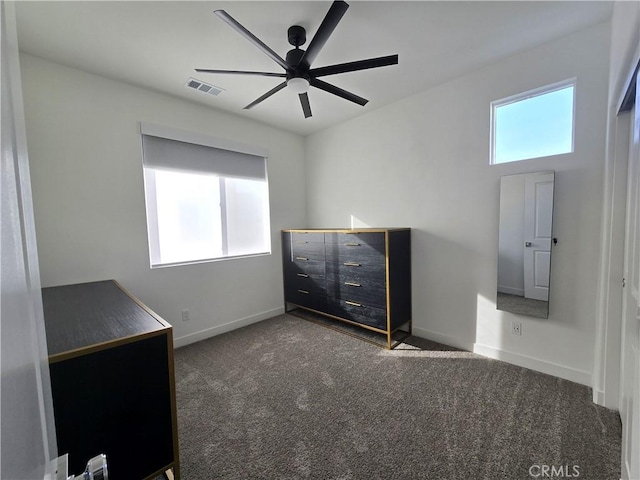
{"type": "Point", "coordinates": [112, 380]}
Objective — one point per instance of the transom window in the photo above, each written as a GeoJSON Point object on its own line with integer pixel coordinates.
{"type": "Point", "coordinates": [533, 124]}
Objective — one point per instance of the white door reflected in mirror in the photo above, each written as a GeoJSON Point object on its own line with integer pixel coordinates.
{"type": "Point", "coordinates": [524, 245]}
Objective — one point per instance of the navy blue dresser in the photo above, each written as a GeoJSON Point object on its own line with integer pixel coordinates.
{"type": "Point", "coordinates": [358, 276]}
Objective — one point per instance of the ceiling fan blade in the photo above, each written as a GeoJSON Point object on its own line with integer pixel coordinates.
{"type": "Point", "coordinates": [266, 95]}
{"type": "Point", "coordinates": [331, 19]}
{"type": "Point", "coordinates": [354, 66]}
{"type": "Point", "coordinates": [241, 72]}
{"type": "Point", "coordinates": [233, 23]}
{"type": "Point", "coordinates": [327, 87]}
{"type": "Point", "coordinates": [306, 107]}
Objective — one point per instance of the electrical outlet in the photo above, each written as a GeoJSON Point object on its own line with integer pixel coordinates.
{"type": "Point", "coordinates": [185, 315]}
{"type": "Point", "coordinates": [516, 328]}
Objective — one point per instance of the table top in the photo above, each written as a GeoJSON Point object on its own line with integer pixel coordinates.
{"type": "Point", "coordinates": [94, 315]}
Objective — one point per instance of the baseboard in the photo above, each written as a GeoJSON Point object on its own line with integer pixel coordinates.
{"type": "Point", "coordinates": [440, 338]}
{"type": "Point", "coordinates": [626, 470]}
{"type": "Point", "coordinates": [557, 370]}
{"type": "Point", "coordinates": [511, 290]}
{"type": "Point", "coordinates": [227, 327]}
{"type": "Point", "coordinates": [598, 397]}
{"type": "Point", "coordinates": [550, 368]}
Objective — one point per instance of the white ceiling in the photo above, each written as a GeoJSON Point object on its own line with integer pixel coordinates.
{"type": "Point", "coordinates": [157, 44]}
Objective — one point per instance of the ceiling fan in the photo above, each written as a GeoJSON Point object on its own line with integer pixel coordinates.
{"type": "Point", "coordinates": [299, 75]}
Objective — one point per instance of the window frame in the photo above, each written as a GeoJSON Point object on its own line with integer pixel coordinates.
{"type": "Point", "coordinates": [536, 92]}
{"type": "Point", "coordinates": [150, 193]}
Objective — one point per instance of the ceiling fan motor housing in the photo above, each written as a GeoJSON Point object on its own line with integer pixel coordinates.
{"type": "Point", "coordinates": [297, 35]}
{"type": "Point", "coordinates": [301, 70]}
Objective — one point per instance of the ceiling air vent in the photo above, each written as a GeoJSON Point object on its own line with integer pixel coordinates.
{"type": "Point", "coordinates": [203, 87]}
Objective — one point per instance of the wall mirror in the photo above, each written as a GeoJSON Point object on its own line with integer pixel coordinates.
{"type": "Point", "coordinates": [524, 243]}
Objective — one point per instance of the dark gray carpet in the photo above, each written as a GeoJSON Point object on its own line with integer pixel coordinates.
{"type": "Point", "coordinates": [290, 399]}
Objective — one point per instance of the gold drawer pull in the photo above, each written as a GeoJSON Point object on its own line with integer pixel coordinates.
{"type": "Point", "coordinates": [304, 275]}
{"type": "Point", "coordinates": [351, 264]}
{"type": "Point", "coordinates": [303, 291]}
{"type": "Point", "coordinates": [352, 284]}
{"type": "Point", "coordinates": [302, 258]}
{"type": "Point", "coordinates": [353, 244]}
{"type": "Point", "coordinates": [353, 303]}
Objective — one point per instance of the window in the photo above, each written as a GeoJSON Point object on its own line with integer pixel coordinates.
{"type": "Point", "coordinates": [533, 124]}
{"type": "Point", "coordinates": [204, 202]}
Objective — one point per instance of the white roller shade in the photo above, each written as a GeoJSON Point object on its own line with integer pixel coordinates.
{"type": "Point", "coordinates": [177, 155]}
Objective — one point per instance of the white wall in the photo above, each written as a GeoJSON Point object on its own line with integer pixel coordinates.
{"type": "Point", "coordinates": [625, 36]}
{"type": "Point", "coordinates": [625, 42]}
{"type": "Point", "coordinates": [424, 163]}
{"type": "Point", "coordinates": [85, 155]}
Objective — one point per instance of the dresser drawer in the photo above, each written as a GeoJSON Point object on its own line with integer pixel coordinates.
{"type": "Point", "coordinates": [355, 253]}
{"type": "Point", "coordinates": [307, 237]}
{"type": "Point", "coordinates": [356, 272]}
{"type": "Point", "coordinates": [371, 295]}
{"type": "Point", "coordinates": [305, 298]}
{"type": "Point", "coordinates": [313, 268]}
{"type": "Point", "coordinates": [304, 281]}
{"type": "Point", "coordinates": [307, 251]}
{"type": "Point", "coordinates": [374, 317]}
{"type": "Point", "coordinates": [366, 238]}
